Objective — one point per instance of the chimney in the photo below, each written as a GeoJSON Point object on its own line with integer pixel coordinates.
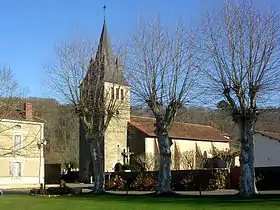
{"type": "Point", "coordinates": [28, 110]}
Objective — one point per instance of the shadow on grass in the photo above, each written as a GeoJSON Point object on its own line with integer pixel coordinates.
{"type": "Point", "coordinates": [225, 200]}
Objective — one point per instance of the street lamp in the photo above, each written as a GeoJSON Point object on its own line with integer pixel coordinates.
{"type": "Point", "coordinates": [40, 145]}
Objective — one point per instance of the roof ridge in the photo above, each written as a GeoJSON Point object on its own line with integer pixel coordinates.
{"type": "Point", "coordinates": [195, 124]}
{"type": "Point", "coordinates": [267, 132]}
{"type": "Point", "coordinates": [142, 117]}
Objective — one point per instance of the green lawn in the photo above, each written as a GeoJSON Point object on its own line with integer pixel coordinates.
{"type": "Point", "coordinates": [108, 202]}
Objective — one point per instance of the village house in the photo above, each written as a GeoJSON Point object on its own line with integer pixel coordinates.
{"type": "Point", "coordinates": [21, 149]}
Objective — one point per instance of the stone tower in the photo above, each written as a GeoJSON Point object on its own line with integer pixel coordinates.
{"type": "Point", "coordinates": [117, 95]}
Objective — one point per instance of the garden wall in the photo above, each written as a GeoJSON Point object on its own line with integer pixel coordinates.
{"type": "Point", "coordinates": [268, 178]}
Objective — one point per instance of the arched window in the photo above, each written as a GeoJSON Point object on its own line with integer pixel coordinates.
{"type": "Point", "coordinates": [17, 127]}
{"type": "Point", "coordinates": [117, 93]}
{"type": "Point", "coordinates": [112, 93]}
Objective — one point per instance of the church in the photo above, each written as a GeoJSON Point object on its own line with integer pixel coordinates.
{"type": "Point", "coordinates": [126, 134]}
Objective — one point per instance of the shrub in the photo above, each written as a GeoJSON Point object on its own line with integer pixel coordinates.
{"type": "Point", "coordinates": [218, 180]}
{"type": "Point", "coordinates": [34, 191]}
{"type": "Point", "coordinates": [58, 190]}
{"type": "Point", "coordinates": [116, 183]}
{"type": "Point", "coordinates": [145, 181]}
{"type": "Point", "coordinates": [188, 181]}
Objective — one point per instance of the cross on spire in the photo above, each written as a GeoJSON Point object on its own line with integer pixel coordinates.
{"type": "Point", "coordinates": [104, 10]}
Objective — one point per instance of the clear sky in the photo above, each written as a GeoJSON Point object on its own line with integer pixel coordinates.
{"type": "Point", "coordinates": [31, 28]}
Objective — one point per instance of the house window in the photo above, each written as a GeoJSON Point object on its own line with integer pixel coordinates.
{"type": "Point", "coordinates": [122, 95]}
{"type": "Point", "coordinates": [15, 170]}
{"type": "Point", "coordinates": [112, 93]}
{"type": "Point", "coordinates": [117, 93]}
{"type": "Point", "coordinates": [17, 142]}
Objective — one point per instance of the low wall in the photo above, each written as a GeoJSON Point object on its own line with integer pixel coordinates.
{"type": "Point", "coordinates": [268, 178]}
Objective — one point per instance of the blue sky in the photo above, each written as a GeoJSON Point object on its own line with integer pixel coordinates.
{"type": "Point", "coordinates": [31, 28]}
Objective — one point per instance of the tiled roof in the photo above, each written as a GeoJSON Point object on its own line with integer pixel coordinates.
{"type": "Point", "coordinates": [181, 130]}
{"type": "Point", "coordinates": [12, 114]}
{"type": "Point", "coordinates": [271, 135]}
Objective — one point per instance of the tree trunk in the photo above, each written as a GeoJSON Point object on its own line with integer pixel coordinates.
{"type": "Point", "coordinates": [164, 177]}
{"type": "Point", "coordinates": [97, 155]}
{"type": "Point", "coordinates": [85, 174]}
{"type": "Point", "coordinates": [247, 179]}
{"type": "Point", "coordinates": [85, 162]}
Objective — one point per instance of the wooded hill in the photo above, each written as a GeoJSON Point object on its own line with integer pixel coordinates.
{"type": "Point", "coordinates": [62, 125]}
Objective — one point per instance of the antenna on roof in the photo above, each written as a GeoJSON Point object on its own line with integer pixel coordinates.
{"type": "Point", "coordinates": [104, 8]}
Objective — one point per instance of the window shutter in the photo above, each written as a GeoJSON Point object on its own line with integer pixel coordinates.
{"type": "Point", "coordinates": [19, 169]}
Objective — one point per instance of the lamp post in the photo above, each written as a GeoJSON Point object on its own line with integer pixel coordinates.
{"type": "Point", "coordinates": [40, 145]}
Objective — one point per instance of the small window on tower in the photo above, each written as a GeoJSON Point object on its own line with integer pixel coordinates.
{"type": "Point", "coordinates": [117, 93]}
{"type": "Point", "coordinates": [122, 95]}
{"type": "Point", "coordinates": [112, 93]}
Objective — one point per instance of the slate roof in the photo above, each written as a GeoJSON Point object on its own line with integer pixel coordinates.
{"type": "Point", "coordinates": [180, 130]}
{"type": "Point", "coordinates": [113, 71]}
{"type": "Point", "coordinates": [271, 135]}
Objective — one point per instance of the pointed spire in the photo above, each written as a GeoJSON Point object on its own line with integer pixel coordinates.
{"type": "Point", "coordinates": [104, 48]}
{"type": "Point", "coordinates": [112, 72]}
{"type": "Point", "coordinates": [104, 8]}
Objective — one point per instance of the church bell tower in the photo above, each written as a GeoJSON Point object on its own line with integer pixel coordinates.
{"type": "Point", "coordinates": [117, 101]}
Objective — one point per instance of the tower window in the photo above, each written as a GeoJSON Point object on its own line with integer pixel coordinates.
{"type": "Point", "coordinates": [122, 95]}
{"type": "Point", "coordinates": [117, 93]}
{"type": "Point", "coordinates": [112, 93]}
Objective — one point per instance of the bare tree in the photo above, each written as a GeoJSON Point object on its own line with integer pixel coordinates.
{"type": "Point", "coordinates": [84, 82]}
{"type": "Point", "coordinates": [241, 47]}
{"type": "Point", "coordinates": [162, 67]}
{"type": "Point", "coordinates": [188, 159]}
{"type": "Point", "coordinates": [148, 161]}
{"type": "Point", "coordinates": [200, 159]}
{"type": "Point", "coordinates": [10, 91]}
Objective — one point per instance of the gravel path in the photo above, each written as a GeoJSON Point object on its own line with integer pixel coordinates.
{"type": "Point", "coordinates": [87, 188]}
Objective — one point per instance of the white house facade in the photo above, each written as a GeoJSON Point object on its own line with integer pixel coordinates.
{"type": "Point", "coordinates": [267, 149]}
